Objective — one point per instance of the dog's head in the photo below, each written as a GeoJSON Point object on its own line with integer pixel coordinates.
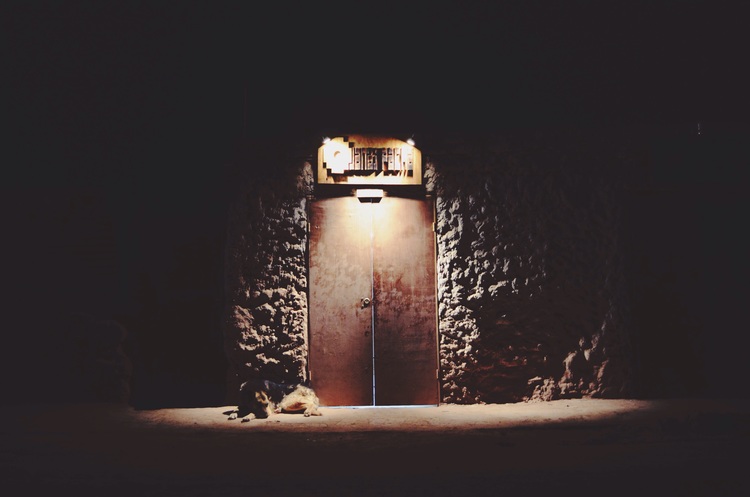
{"type": "Point", "coordinates": [263, 407]}
{"type": "Point", "coordinates": [254, 401]}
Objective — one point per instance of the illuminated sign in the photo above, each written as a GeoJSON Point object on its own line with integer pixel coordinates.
{"type": "Point", "coordinates": [369, 160]}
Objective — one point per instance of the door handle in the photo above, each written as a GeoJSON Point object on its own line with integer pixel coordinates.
{"type": "Point", "coordinates": [365, 302]}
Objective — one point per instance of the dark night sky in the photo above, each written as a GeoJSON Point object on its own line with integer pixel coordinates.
{"type": "Point", "coordinates": [111, 91]}
{"type": "Point", "coordinates": [121, 116]}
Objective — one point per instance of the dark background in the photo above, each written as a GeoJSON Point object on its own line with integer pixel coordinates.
{"type": "Point", "coordinates": [122, 120]}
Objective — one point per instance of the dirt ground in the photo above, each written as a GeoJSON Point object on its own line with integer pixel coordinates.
{"type": "Point", "coordinates": [568, 447]}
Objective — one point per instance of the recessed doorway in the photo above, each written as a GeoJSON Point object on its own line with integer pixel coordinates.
{"type": "Point", "coordinates": [373, 323]}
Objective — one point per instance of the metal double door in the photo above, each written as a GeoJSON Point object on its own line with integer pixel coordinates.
{"type": "Point", "coordinates": [373, 336]}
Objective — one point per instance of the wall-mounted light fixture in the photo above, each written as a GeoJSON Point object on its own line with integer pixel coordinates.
{"type": "Point", "coordinates": [369, 194]}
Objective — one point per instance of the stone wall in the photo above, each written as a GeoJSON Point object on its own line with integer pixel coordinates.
{"type": "Point", "coordinates": [265, 327]}
{"type": "Point", "coordinates": [532, 298]}
{"type": "Point", "coordinates": [531, 290]}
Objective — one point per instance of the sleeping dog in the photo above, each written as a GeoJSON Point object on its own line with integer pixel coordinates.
{"type": "Point", "coordinates": [263, 398]}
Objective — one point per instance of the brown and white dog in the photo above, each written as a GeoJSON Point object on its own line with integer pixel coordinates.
{"type": "Point", "coordinates": [263, 398]}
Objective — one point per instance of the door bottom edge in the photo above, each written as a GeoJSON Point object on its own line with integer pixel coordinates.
{"type": "Point", "coordinates": [399, 406]}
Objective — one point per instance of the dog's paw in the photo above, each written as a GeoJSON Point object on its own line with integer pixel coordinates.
{"type": "Point", "coordinates": [248, 418]}
{"type": "Point", "coordinates": [232, 416]}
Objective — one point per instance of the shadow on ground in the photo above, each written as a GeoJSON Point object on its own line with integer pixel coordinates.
{"type": "Point", "coordinates": [569, 447]}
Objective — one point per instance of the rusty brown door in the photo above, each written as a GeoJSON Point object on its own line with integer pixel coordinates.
{"type": "Point", "coordinates": [340, 321]}
{"type": "Point", "coordinates": [373, 338]}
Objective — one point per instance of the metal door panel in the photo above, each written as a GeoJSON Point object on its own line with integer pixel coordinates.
{"type": "Point", "coordinates": [340, 276]}
{"type": "Point", "coordinates": [405, 307]}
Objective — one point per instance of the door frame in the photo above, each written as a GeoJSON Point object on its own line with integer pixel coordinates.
{"type": "Point", "coordinates": [431, 386]}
